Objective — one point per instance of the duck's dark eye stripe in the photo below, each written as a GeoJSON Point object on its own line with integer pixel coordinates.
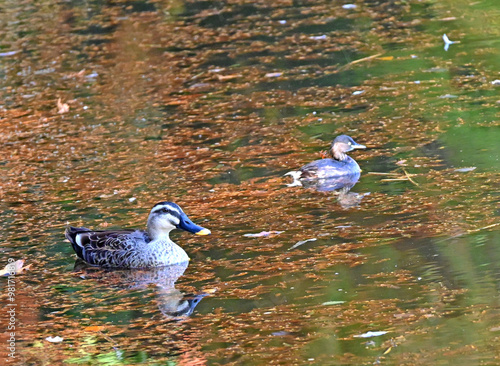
{"type": "Point", "coordinates": [166, 210]}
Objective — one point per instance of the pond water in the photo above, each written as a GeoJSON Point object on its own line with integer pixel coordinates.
{"type": "Point", "coordinates": [110, 107]}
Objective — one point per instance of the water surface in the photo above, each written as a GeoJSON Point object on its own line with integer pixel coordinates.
{"type": "Point", "coordinates": [208, 105]}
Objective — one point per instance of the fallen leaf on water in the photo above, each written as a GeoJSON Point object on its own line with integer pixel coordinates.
{"type": "Point", "coordinates": [78, 74]}
{"type": "Point", "coordinates": [273, 74]}
{"type": "Point", "coordinates": [280, 333]}
{"type": "Point", "coordinates": [55, 339]}
{"type": "Point", "coordinates": [9, 53]}
{"type": "Point", "coordinates": [18, 268]}
{"type": "Point", "coordinates": [333, 303]}
{"type": "Point", "coordinates": [370, 334]}
{"type": "Point", "coordinates": [299, 243]}
{"type": "Point", "coordinates": [401, 162]}
{"type": "Point", "coordinates": [177, 102]}
{"type": "Point", "coordinates": [62, 107]}
{"type": "Point", "coordinates": [94, 328]}
{"type": "Point", "coordinates": [263, 234]}
{"type": "Point", "coordinates": [465, 170]}
{"type": "Point", "coordinates": [228, 77]}
{"type": "Point", "coordinates": [386, 58]}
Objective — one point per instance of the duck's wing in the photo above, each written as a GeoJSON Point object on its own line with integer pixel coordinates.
{"type": "Point", "coordinates": [105, 248]}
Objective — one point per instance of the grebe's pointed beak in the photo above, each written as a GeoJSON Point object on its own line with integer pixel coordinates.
{"type": "Point", "coordinates": [358, 146]}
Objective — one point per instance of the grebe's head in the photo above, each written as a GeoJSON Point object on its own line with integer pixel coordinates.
{"type": "Point", "coordinates": [343, 144]}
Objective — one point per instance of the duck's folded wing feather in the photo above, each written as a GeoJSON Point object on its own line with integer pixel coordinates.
{"type": "Point", "coordinates": [104, 248]}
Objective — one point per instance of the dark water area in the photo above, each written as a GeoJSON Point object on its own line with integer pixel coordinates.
{"type": "Point", "coordinates": [107, 108]}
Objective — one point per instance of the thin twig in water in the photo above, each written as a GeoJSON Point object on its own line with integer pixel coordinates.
{"type": "Point", "coordinates": [483, 228]}
{"type": "Point", "coordinates": [380, 173]}
{"type": "Point", "coordinates": [409, 178]}
{"type": "Point", "coordinates": [368, 58]}
{"type": "Point", "coordinates": [197, 75]}
{"type": "Point", "coordinates": [469, 232]}
{"type": "Point", "coordinates": [393, 179]}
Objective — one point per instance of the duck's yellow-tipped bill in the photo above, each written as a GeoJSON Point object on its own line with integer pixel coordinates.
{"type": "Point", "coordinates": [203, 232]}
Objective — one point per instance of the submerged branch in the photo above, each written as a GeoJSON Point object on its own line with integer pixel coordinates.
{"type": "Point", "coordinates": [368, 58]}
{"type": "Point", "coordinates": [408, 176]}
{"type": "Point", "coordinates": [470, 232]}
{"type": "Point", "coordinates": [398, 176]}
{"type": "Point", "coordinates": [482, 228]}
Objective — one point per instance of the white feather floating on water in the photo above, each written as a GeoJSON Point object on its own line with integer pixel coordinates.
{"type": "Point", "coordinates": [264, 234]}
{"type": "Point", "coordinates": [447, 42]}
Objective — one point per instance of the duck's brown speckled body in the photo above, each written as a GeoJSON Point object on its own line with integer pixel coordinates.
{"type": "Point", "coordinates": [136, 248]}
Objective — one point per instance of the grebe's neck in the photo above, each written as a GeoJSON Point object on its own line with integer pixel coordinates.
{"type": "Point", "coordinates": [337, 153]}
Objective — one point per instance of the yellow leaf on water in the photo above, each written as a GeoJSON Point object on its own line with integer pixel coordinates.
{"type": "Point", "coordinates": [94, 328]}
{"type": "Point", "coordinates": [386, 58]}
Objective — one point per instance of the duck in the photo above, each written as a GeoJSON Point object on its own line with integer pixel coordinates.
{"type": "Point", "coordinates": [338, 164]}
{"type": "Point", "coordinates": [149, 248]}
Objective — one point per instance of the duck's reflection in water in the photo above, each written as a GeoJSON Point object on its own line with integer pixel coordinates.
{"type": "Point", "coordinates": [173, 304]}
{"type": "Point", "coordinates": [342, 185]}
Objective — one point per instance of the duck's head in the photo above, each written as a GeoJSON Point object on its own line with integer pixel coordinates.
{"type": "Point", "coordinates": [166, 216]}
{"type": "Point", "coordinates": [343, 144]}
